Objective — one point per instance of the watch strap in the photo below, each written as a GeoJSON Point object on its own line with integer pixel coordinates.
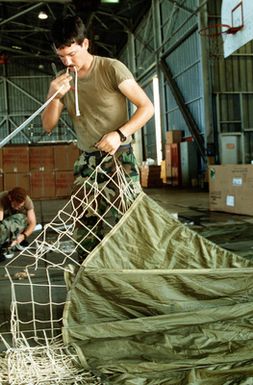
{"type": "Point", "coordinates": [123, 138]}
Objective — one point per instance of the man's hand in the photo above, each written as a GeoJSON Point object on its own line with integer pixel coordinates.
{"type": "Point", "coordinates": [20, 238]}
{"type": "Point", "coordinates": [63, 82]}
{"type": "Point", "coordinates": [109, 143]}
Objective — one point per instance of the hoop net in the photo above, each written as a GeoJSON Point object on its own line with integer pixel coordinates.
{"type": "Point", "coordinates": [38, 355]}
{"type": "Point", "coordinates": [216, 34]}
{"type": "Point", "coordinates": [214, 30]}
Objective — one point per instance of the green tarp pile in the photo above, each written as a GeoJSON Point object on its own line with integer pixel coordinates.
{"type": "Point", "coordinates": [156, 303]}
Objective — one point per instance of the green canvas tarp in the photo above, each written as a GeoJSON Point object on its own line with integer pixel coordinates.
{"type": "Point", "coordinates": [157, 303]}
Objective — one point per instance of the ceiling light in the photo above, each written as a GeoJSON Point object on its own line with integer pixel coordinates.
{"type": "Point", "coordinates": [16, 47]}
{"type": "Point", "coordinates": [109, 1]}
{"type": "Point", "coordinates": [42, 15]}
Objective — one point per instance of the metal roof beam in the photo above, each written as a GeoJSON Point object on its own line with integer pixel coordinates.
{"type": "Point", "coordinates": [27, 45]}
{"type": "Point", "coordinates": [25, 53]}
{"type": "Point", "coordinates": [37, 1]}
{"type": "Point", "coordinates": [20, 13]}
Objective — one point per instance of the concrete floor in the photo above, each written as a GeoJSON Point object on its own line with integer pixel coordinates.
{"type": "Point", "coordinates": [230, 231]}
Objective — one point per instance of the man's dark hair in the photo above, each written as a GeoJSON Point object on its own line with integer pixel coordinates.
{"type": "Point", "coordinates": [18, 194]}
{"type": "Point", "coordinates": [67, 30]}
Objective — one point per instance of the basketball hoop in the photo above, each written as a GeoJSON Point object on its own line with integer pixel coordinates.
{"type": "Point", "coordinates": [214, 30]}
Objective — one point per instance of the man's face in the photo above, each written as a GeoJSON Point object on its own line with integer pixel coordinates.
{"type": "Point", "coordinates": [16, 205]}
{"type": "Point", "coordinates": [73, 56]}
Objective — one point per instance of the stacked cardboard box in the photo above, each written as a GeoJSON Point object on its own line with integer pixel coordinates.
{"type": "Point", "coordinates": [174, 136]}
{"type": "Point", "coordinates": [64, 159]}
{"type": "Point", "coordinates": [15, 164]}
{"type": "Point", "coordinates": [1, 160]}
{"type": "Point", "coordinates": [172, 157]}
{"type": "Point", "coordinates": [151, 176]}
{"type": "Point", "coordinates": [45, 171]}
{"type": "Point", "coordinates": [1, 170]}
{"type": "Point", "coordinates": [163, 173]}
{"type": "Point", "coordinates": [65, 156]}
{"type": "Point", "coordinates": [63, 183]}
{"type": "Point", "coordinates": [42, 184]}
{"type": "Point", "coordinates": [231, 188]}
{"type": "Point", "coordinates": [41, 161]}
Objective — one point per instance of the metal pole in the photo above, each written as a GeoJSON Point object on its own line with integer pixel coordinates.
{"type": "Point", "coordinates": [27, 121]}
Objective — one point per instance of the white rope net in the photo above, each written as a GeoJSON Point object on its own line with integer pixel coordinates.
{"type": "Point", "coordinates": [38, 287]}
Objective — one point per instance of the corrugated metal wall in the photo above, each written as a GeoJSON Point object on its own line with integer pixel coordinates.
{"type": "Point", "coordinates": [232, 91]}
{"type": "Point", "coordinates": [156, 37]}
{"type": "Point", "coordinates": [217, 91]}
{"type": "Point", "coordinates": [235, 73]}
{"type": "Point", "coordinates": [139, 56]}
{"type": "Point", "coordinates": [145, 65]}
{"type": "Point", "coordinates": [185, 64]}
{"type": "Point", "coordinates": [23, 91]}
{"type": "Point", "coordinates": [183, 56]}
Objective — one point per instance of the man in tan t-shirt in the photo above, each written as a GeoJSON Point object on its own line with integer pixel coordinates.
{"type": "Point", "coordinates": [95, 91]}
{"type": "Point", "coordinates": [103, 90]}
{"type": "Point", "coordinates": [17, 218]}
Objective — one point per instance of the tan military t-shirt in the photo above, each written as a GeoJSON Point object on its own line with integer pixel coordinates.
{"type": "Point", "coordinates": [5, 205]}
{"type": "Point", "coordinates": [102, 106]}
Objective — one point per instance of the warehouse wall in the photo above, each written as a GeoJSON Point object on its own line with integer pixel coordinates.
{"type": "Point", "coordinates": [217, 92]}
{"type": "Point", "coordinates": [231, 82]}
{"type": "Point", "coordinates": [170, 33]}
{"type": "Point", "coordinates": [23, 90]}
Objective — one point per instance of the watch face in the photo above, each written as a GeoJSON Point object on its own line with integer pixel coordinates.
{"type": "Point", "coordinates": [123, 138]}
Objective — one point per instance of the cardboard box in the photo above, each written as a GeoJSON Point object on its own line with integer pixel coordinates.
{"type": "Point", "coordinates": [63, 183]}
{"type": "Point", "coordinates": [41, 158]}
{"type": "Point", "coordinates": [42, 184]}
{"type": "Point", "coordinates": [17, 179]}
{"type": "Point", "coordinates": [151, 176]}
{"type": "Point", "coordinates": [65, 156]}
{"type": "Point", "coordinates": [1, 182]}
{"type": "Point", "coordinates": [172, 154]}
{"type": "Point", "coordinates": [175, 176]}
{"type": "Point", "coordinates": [163, 174]}
{"type": "Point", "coordinates": [174, 136]}
{"type": "Point", "coordinates": [231, 188]}
{"type": "Point", "coordinates": [173, 164]}
{"type": "Point", "coordinates": [1, 160]}
{"type": "Point", "coordinates": [16, 159]}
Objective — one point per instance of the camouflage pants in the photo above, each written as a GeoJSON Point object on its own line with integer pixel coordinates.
{"type": "Point", "coordinates": [90, 230]}
{"type": "Point", "coordinates": [11, 226]}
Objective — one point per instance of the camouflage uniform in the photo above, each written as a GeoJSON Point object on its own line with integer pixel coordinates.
{"type": "Point", "coordinates": [83, 168]}
{"type": "Point", "coordinates": [11, 226]}
{"type": "Point", "coordinates": [14, 221]}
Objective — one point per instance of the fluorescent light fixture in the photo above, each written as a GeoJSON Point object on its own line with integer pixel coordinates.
{"type": "Point", "coordinates": [42, 15]}
{"type": "Point", "coordinates": [16, 47]}
{"type": "Point", "coordinates": [157, 120]}
{"type": "Point", "coordinates": [110, 1]}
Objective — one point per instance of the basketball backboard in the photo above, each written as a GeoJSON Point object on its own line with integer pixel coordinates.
{"type": "Point", "coordinates": [237, 14]}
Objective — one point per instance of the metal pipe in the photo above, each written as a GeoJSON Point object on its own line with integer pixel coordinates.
{"type": "Point", "coordinates": [27, 121]}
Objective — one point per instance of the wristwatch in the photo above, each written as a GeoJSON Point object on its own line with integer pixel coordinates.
{"type": "Point", "coordinates": [123, 138]}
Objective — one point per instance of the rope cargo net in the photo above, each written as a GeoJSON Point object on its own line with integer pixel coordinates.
{"type": "Point", "coordinates": [36, 353]}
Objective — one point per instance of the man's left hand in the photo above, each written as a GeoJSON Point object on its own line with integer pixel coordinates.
{"type": "Point", "coordinates": [20, 238]}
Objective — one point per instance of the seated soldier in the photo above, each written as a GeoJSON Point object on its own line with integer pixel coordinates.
{"type": "Point", "coordinates": [17, 219]}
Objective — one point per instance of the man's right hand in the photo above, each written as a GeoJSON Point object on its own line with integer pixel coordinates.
{"type": "Point", "coordinates": [61, 83]}
{"type": "Point", "coordinates": [51, 114]}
